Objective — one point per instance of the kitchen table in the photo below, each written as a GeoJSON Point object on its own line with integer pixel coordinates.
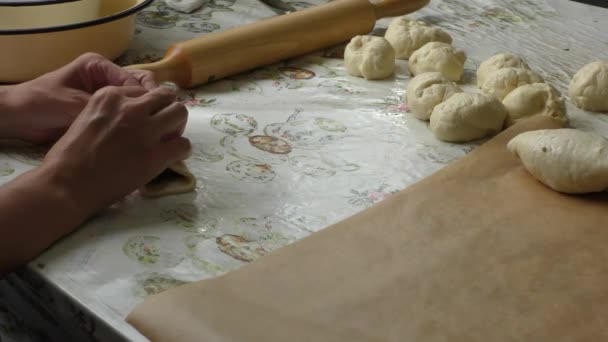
{"type": "Point", "coordinates": [279, 153]}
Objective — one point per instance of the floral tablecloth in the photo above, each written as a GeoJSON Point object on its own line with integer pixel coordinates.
{"type": "Point", "coordinates": [282, 152]}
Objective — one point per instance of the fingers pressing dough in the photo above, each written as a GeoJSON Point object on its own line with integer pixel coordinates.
{"type": "Point", "coordinates": [176, 179]}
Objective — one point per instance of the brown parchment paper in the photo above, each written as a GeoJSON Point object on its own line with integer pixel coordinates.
{"type": "Point", "coordinates": [479, 251]}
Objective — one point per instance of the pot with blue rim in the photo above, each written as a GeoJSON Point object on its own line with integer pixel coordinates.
{"type": "Point", "coordinates": [38, 36]}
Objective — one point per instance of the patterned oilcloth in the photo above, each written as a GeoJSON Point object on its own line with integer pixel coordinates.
{"type": "Point", "coordinates": [281, 152]}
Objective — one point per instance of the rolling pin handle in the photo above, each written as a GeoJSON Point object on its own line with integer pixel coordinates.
{"type": "Point", "coordinates": [174, 67]}
{"type": "Point", "coordinates": [395, 8]}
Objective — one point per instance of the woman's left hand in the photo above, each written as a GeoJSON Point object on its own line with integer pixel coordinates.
{"type": "Point", "coordinates": [41, 110]}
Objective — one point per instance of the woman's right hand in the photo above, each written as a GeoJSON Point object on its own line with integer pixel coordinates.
{"type": "Point", "coordinates": [122, 139]}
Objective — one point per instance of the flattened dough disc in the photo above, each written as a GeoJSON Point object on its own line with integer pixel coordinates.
{"type": "Point", "coordinates": [176, 179]}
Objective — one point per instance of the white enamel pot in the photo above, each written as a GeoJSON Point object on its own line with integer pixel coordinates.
{"type": "Point", "coordinates": [41, 37]}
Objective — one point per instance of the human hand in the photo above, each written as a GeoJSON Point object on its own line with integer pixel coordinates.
{"type": "Point", "coordinates": [43, 109]}
{"type": "Point", "coordinates": [123, 138]}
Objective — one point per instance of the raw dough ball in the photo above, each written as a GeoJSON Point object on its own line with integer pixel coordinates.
{"type": "Point", "coordinates": [427, 90]}
{"type": "Point", "coordinates": [589, 87]}
{"type": "Point", "coordinates": [503, 81]}
{"type": "Point", "coordinates": [466, 116]}
{"type": "Point", "coordinates": [496, 62]}
{"type": "Point", "coordinates": [534, 99]}
{"type": "Point", "coordinates": [407, 36]}
{"type": "Point", "coordinates": [370, 57]}
{"type": "Point", "coordinates": [438, 57]}
{"type": "Point", "coordinates": [566, 160]}
{"type": "Point", "coordinates": [186, 6]}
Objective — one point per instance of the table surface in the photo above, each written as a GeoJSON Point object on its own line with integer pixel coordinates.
{"type": "Point", "coordinates": [284, 151]}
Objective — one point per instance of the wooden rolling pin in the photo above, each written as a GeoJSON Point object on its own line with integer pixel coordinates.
{"type": "Point", "coordinates": [218, 55]}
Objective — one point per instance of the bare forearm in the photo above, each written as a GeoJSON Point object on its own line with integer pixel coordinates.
{"type": "Point", "coordinates": [35, 211]}
{"type": "Point", "coordinates": [8, 119]}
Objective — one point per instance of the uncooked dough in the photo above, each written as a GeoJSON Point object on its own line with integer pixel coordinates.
{"type": "Point", "coordinates": [503, 81]}
{"type": "Point", "coordinates": [438, 57]}
{"type": "Point", "coordinates": [426, 91]}
{"type": "Point", "coordinates": [566, 160]}
{"type": "Point", "coordinates": [467, 116]}
{"type": "Point", "coordinates": [176, 179]}
{"type": "Point", "coordinates": [186, 6]}
{"type": "Point", "coordinates": [496, 62]}
{"type": "Point", "coordinates": [589, 87]}
{"type": "Point", "coordinates": [534, 99]}
{"type": "Point", "coordinates": [370, 57]}
{"type": "Point", "coordinates": [407, 36]}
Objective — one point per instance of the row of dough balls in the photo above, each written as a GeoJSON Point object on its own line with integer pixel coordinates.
{"type": "Point", "coordinates": [510, 90]}
{"type": "Point", "coordinates": [568, 160]}
{"type": "Point", "coordinates": [504, 75]}
{"type": "Point", "coordinates": [523, 92]}
{"type": "Point", "coordinates": [427, 48]}
{"type": "Point", "coordinates": [508, 78]}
